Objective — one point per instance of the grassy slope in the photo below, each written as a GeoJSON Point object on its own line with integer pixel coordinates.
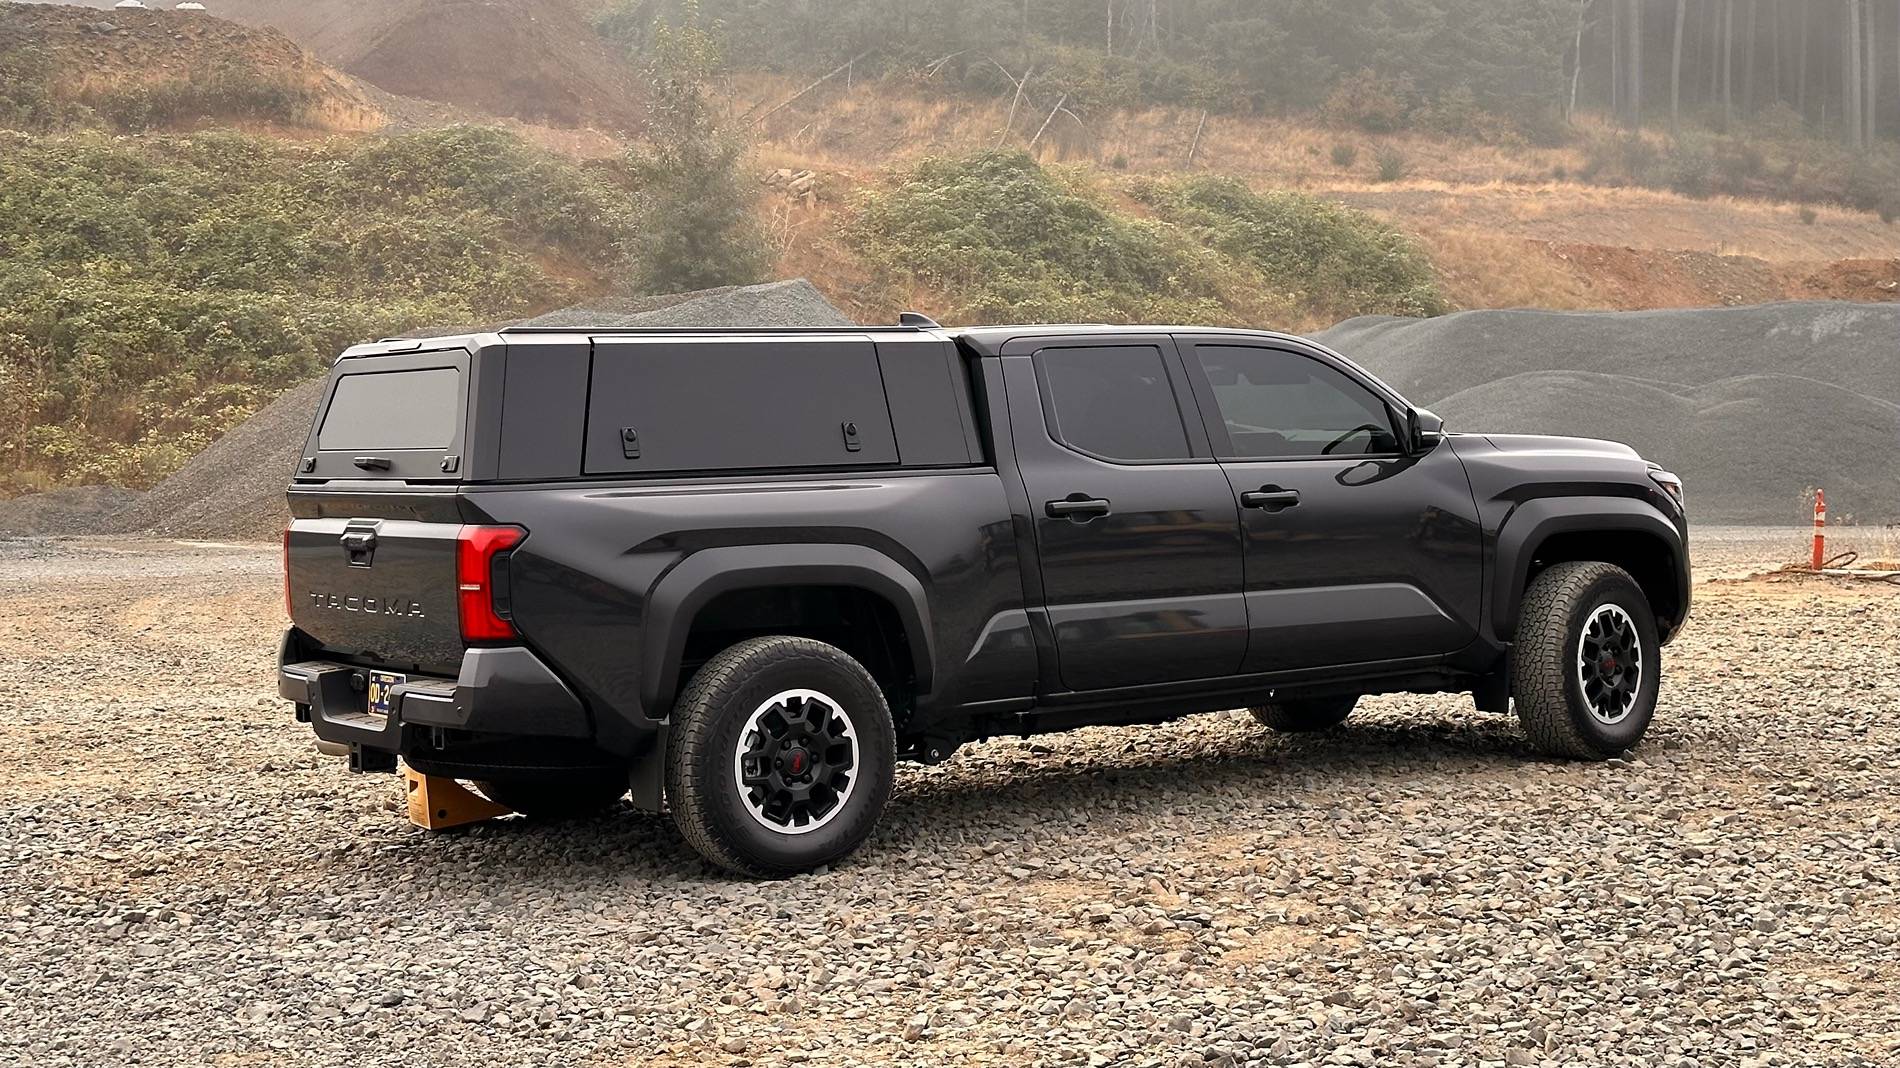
{"type": "Point", "coordinates": [154, 290]}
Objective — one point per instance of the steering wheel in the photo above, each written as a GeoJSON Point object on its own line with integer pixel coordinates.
{"type": "Point", "coordinates": [1362, 428]}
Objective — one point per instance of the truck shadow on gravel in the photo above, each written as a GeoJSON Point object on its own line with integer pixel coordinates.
{"type": "Point", "coordinates": [991, 791]}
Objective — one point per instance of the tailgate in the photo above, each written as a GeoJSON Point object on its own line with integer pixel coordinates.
{"type": "Point", "coordinates": [370, 562]}
{"type": "Point", "coordinates": [377, 591]}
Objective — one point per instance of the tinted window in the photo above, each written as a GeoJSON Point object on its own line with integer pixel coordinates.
{"type": "Point", "coordinates": [1278, 403]}
{"type": "Point", "coordinates": [712, 404]}
{"type": "Point", "coordinates": [1114, 402]}
{"type": "Point", "coordinates": [393, 410]}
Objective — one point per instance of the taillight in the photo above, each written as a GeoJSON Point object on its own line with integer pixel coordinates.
{"type": "Point", "coordinates": [290, 603]}
{"type": "Point", "coordinates": [475, 552]}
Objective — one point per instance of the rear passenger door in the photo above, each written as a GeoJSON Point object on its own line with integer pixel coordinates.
{"type": "Point", "coordinates": [1136, 527]}
{"type": "Point", "coordinates": [1356, 551]}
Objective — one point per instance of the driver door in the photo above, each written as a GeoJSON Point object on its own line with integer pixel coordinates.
{"type": "Point", "coordinates": [1354, 552]}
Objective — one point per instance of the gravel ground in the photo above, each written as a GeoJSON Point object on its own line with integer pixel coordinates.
{"type": "Point", "coordinates": [185, 881]}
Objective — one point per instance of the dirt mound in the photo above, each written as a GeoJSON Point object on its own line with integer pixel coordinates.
{"type": "Point", "coordinates": [1753, 406]}
{"type": "Point", "coordinates": [235, 488]}
{"type": "Point", "coordinates": [70, 510]}
{"type": "Point", "coordinates": [171, 68]}
{"type": "Point", "coordinates": [535, 60]}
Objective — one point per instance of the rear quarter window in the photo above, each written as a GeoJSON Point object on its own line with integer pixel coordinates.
{"type": "Point", "coordinates": [703, 404]}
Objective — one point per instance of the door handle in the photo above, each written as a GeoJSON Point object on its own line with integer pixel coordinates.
{"type": "Point", "coordinates": [1271, 498]}
{"type": "Point", "coordinates": [1076, 506]}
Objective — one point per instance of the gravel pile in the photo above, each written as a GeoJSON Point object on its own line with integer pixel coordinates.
{"type": "Point", "coordinates": [185, 881]}
{"type": "Point", "coordinates": [70, 510]}
{"type": "Point", "coordinates": [235, 488]}
{"type": "Point", "coordinates": [793, 303]}
{"type": "Point", "coordinates": [1753, 406]}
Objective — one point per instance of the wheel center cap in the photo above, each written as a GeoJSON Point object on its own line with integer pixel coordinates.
{"type": "Point", "coordinates": [797, 762]}
{"type": "Point", "coordinates": [1608, 667]}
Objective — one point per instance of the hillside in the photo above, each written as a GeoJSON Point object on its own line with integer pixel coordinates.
{"type": "Point", "coordinates": [154, 291]}
{"type": "Point", "coordinates": [142, 69]}
{"type": "Point", "coordinates": [534, 60]}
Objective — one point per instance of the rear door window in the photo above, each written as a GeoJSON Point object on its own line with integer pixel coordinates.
{"type": "Point", "coordinates": [1113, 402]}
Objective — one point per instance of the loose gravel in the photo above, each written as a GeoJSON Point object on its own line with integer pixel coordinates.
{"type": "Point", "coordinates": [185, 881]}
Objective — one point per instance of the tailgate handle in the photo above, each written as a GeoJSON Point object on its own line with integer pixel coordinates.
{"type": "Point", "coordinates": [360, 546]}
{"type": "Point", "coordinates": [372, 463]}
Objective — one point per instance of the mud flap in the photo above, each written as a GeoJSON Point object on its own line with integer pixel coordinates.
{"type": "Point", "coordinates": [648, 774]}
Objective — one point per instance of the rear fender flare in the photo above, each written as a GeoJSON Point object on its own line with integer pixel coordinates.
{"type": "Point", "coordinates": [1530, 524]}
{"type": "Point", "coordinates": [692, 584]}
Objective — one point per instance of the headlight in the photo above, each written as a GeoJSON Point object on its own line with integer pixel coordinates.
{"type": "Point", "coordinates": [1670, 482]}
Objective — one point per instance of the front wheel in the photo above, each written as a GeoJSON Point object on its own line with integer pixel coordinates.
{"type": "Point", "coordinates": [781, 757]}
{"type": "Point", "coordinates": [1586, 666]}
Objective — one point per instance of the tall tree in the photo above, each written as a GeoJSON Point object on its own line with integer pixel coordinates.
{"type": "Point", "coordinates": [1852, 76]}
{"type": "Point", "coordinates": [1751, 45]}
{"type": "Point", "coordinates": [1728, 62]}
{"type": "Point", "coordinates": [1801, 74]}
{"type": "Point", "coordinates": [1675, 69]}
{"type": "Point", "coordinates": [1633, 94]}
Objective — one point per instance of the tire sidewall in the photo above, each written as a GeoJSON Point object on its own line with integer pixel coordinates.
{"type": "Point", "coordinates": [1618, 590]}
{"type": "Point", "coordinates": [725, 807]}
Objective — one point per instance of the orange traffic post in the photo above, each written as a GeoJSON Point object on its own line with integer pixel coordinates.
{"type": "Point", "coordinates": [1820, 529]}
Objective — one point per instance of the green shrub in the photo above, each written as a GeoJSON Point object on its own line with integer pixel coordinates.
{"type": "Point", "coordinates": [1337, 262]}
{"type": "Point", "coordinates": [1345, 156]}
{"type": "Point", "coordinates": [153, 291]}
{"type": "Point", "coordinates": [1391, 165]}
{"type": "Point", "coordinates": [1000, 239]}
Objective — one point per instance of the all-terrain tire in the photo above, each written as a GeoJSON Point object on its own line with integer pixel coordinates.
{"type": "Point", "coordinates": [564, 797]}
{"type": "Point", "coordinates": [1311, 714]}
{"type": "Point", "coordinates": [735, 720]}
{"type": "Point", "coordinates": [1579, 696]}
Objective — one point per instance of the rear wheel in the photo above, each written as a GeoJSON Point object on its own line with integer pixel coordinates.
{"type": "Point", "coordinates": [1585, 668]}
{"type": "Point", "coordinates": [1310, 714]}
{"type": "Point", "coordinates": [565, 797]}
{"type": "Point", "coordinates": [780, 758]}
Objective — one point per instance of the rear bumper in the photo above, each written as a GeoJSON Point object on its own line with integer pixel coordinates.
{"type": "Point", "coordinates": [504, 691]}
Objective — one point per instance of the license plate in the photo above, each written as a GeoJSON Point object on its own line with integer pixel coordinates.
{"type": "Point", "coordinates": [382, 684]}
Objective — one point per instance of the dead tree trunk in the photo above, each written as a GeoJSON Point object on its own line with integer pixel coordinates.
{"type": "Point", "coordinates": [1576, 68]}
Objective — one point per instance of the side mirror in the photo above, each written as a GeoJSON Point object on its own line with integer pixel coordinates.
{"type": "Point", "coordinates": [1426, 430]}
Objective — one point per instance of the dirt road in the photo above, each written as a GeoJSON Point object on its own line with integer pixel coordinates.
{"type": "Point", "coordinates": [184, 880]}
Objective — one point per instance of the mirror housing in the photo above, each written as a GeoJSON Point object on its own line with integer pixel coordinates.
{"type": "Point", "coordinates": [1424, 429]}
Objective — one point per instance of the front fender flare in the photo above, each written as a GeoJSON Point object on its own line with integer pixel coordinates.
{"type": "Point", "coordinates": [693, 583]}
{"type": "Point", "coordinates": [1531, 523]}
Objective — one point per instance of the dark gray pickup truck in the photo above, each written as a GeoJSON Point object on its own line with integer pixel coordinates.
{"type": "Point", "coordinates": [743, 573]}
